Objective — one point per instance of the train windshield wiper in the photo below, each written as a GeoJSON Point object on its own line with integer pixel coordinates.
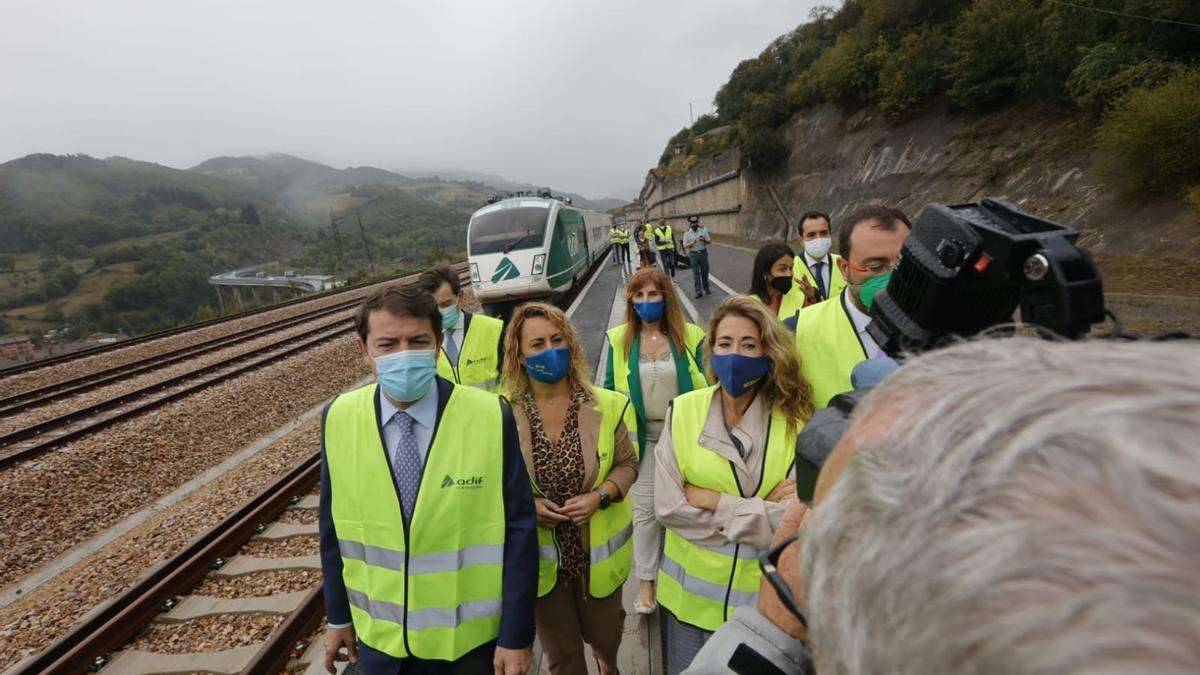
{"type": "Point", "coordinates": [513, 244]}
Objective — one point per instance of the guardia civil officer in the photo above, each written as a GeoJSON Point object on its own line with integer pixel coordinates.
{"type": "Point", "coordinates": [654, 355]}
{"type": "Point", "coordinates": [832, 336]}
{"type": "Point", "coordinates": [427, 526]}
{"type": "Point", "coordinates": [471, 351]}
{"type": "Point", "coordinates": [576, 439]}
{"type": "Point", "coordinates": [816, 269]}
{"type": "Point", "coordinates": [664, 239]}
{"type": "Point", "coordinates": [722, 482]}
{"type": "Point", "coordinates": [696, 242]}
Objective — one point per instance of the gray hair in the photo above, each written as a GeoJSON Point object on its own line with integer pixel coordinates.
{"type": "Point", "coordinates": [1029, 508]}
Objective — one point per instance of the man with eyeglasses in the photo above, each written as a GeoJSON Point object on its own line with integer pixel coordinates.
{"type": "Point", "coordinates": [832, 336]}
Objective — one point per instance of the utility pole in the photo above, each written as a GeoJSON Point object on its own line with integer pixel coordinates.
{"type": "Point", "coordinates": [366, 244]}
{"type": "Point", "coordinates": [690, 113]}
{"type": "Point", "coordinates": [337, 241]}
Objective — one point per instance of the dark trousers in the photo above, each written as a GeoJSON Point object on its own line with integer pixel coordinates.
{"type": "Point", "coordinates": [699, 260]}
{"type": "Point", "coordinates": [478, 661]}
{"type": "Point", "coordinates": [667, 257]}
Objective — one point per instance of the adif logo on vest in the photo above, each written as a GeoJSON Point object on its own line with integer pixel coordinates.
{"type": "Point", "coordinates": [474, 482]}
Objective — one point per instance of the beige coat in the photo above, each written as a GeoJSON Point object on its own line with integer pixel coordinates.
{"type": "Point", "coordinates": [740, 520]}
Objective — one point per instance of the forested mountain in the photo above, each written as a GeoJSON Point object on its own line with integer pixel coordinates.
{"type": "Point", "coordinates": [1129, 67]}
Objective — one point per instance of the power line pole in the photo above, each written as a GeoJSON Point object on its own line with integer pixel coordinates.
{"type": "Point", "coordinates": [690, 113]}
{"type": "Point", "coordinates": [366, 244]}
{"type": "Point", "coordinates": [337, 241]}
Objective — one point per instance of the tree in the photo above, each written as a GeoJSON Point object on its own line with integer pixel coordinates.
{"type": "Point", "coordinates": [249, 215]}
{"type": "Point", "coordinates": [1148, 143]}
{"type": "Point", "coordinates": [8, 263]}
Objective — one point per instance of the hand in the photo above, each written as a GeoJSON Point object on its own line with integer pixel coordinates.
{"type": "Point", "coordinates": [701, 498]}
{"type": "Point", "coordinates": [810, 292]}
{"type": "Point", "coordinates": [581, 507]}
{"type": "Point", "coordinates": [335, 640]}
{"type": "Point", "coordinates": [784, 491]}
{"type": "Point", "coordinates": [548, 513]}
{"type": "Point", "coordinates": [789, 568]}
{"type": "Point", "coordinates": [512, 661]}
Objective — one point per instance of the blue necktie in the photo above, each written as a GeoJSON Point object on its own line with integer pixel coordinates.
{"type": "Point", "coordinates": [451, 347]}
{"type": "Point", "coordinates": [819, 274]}
{"type": "Point", "coordinates": [406, 463]}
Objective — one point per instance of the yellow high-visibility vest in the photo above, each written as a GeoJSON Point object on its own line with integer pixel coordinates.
{"type": "Point", "coordinates": [793, 301]}
{"type": "Point", "coordinates": [431, 590]}
{"type": "Point", "coordinates": [704, 585]}
{"type": "Point", "coordinates": [610, 530]}
{"type": "Point", "coordinates": [666, 237]}
{"type": "Point", "coordinates": [836, 281]}
{"type": "Point", "coordinates": [829, 348]}
{"type": "Point", "coordinates": [478, 356]}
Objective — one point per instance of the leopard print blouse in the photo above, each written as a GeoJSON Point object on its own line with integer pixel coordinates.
{"type": "Point", "coordinates": [558, 470]}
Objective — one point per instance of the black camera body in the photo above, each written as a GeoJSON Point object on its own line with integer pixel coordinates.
{"type": "Point", "coordinates": [967, 267]}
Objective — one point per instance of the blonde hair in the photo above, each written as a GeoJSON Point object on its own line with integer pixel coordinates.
{"type": "Point", "coordinates": [672, 321]}
{"type": "Point", "coordinates": [513, 376]}
{"type": "Point", "coordinates": [785, 386]}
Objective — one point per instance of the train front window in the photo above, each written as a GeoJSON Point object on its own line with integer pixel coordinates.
{"type": "Point", "coordinates": [505, 230]}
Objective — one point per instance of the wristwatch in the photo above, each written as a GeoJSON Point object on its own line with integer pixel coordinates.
{"type": "Point", "coordinates": [605, 498]}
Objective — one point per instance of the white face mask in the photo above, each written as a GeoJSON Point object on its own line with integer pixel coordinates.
{"type": "Point", "coordinates": [817, 248]}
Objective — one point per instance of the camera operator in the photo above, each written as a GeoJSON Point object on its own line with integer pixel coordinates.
{"type": "Point", "coordinates": [1005, 507]}
{"type": "Point", "coordinates": [832, 336]}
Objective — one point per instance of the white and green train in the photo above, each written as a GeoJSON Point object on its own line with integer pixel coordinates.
{"type": "Point", "coordinates": [531, 248]}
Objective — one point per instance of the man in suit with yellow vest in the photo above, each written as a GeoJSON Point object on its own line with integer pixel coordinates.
{"type": "Point", "coordinates": [816, 269]}
{"type": "Point", "coordinates": [428, 534]}
{"type": "Point", "coordinates": [832, 336]}
{"type": "Point", "coordinates": [473, 345]}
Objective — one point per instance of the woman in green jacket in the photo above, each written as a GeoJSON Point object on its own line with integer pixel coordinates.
{"type": "Point", "coordinates": [653, 356]}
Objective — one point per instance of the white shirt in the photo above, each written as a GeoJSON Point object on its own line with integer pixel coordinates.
{"type": "Point", "coordinates": [860, 319]}
{"type": "Point", "coordinates": [810, 261]}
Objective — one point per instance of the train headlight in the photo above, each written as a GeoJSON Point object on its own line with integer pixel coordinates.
{"type": "Point", "coordinates": [474, 273]}
{"type": "Point", "coordinates": [539, 263]}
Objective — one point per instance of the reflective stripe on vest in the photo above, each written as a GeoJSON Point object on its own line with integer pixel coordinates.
{"type": "Point", "coordinates": [432, 590]}
{"type": "Point", "coordinates": [829, 348]}
{"type": "Point", "coordinates": [703, 585]}
{"type": "Point", "coordinates": [478, 358]}
{"type": "Point", "coordinates": [610, 549]}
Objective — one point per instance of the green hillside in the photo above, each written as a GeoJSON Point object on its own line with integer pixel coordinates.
{"type": "Point", "coordinates": [1128, 66]}
{"type": "Point", "coordinates": [117, 244]}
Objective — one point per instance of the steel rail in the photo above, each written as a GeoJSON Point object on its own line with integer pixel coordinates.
{"type": "Point", "coordinates": [34, 397]}
{"type": "Point", "coordinates": [113, 625]}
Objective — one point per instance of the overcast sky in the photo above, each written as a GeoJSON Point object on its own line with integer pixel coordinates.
{"type": "Point", "coordinates": [579, 96]}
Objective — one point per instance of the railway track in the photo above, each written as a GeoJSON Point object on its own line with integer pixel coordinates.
{"type": "Point", "coordinates": [96, 642]}
{"type": "Point", "coordinates": [101, 641]}
{"type": "Point", "coordinates": [27, 442]}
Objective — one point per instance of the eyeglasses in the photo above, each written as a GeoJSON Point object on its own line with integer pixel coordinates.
{"type": "Point", "coordinates": [769, 562]}
{"type": "Point", "coordinates": [874, 267]}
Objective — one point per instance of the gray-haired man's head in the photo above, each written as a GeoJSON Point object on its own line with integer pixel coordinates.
{"type": "Point", "coordinates": [1016, 506]}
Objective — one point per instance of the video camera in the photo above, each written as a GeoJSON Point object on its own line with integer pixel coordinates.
{"type": "Point", "coordinates": [964, 269]}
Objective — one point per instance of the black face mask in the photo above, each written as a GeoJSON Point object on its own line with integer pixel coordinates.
{"type": "Point", "coordinates": [782, 284]}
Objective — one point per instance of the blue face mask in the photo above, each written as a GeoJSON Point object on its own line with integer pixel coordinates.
{"type": "Point", "coordinates": [650, 312]}
{"type": "Point", "coordinates": [449, 317]}
{"type": "Point", "coordinates": [405, 376]}
{"type": "Point", "coordinates": [549, 366]}
{"type": "Point", "coordinates": [739, 374]}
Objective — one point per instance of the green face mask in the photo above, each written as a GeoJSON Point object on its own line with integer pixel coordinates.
{"type": "Point", "coordinates": [868, 288]}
